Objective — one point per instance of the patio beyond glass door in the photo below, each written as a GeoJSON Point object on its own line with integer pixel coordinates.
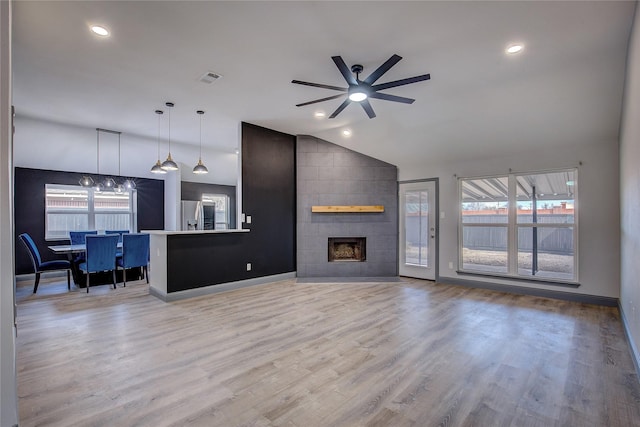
{"type": "Point", "coordinates": [418, 229]}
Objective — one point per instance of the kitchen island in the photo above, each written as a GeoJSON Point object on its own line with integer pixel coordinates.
{"type": "Point", "coordinates": [188, 263]}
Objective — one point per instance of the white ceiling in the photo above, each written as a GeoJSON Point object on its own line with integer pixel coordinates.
{"type": "Point", "coordinates": [565, 88]}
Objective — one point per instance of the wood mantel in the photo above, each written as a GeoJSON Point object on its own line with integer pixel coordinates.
{"type": "Point", "coordinates": [339, 209]}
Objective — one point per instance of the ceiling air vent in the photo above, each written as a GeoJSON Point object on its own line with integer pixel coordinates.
{"type": "Point", "coordinates": [209, 77]}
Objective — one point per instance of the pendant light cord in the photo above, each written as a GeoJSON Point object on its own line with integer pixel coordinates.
{"type": "Point", "coordinates": [98, 152]}
{"type": "Point", "coordinates": [158, 113]}
{"type": "Point", "coordinates": [119, 155]}
{"type": "Point", "coordinates": [200, 136]}
{"type": "Point", "coordinates": [169, 110]}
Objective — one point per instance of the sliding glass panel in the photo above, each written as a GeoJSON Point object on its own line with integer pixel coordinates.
{"type": "Point", "coordinates": [485, 249]}
{"type": "Point", "coordinates": [546, 252]}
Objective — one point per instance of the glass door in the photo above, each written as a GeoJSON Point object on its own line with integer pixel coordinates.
{"type": "Point", "coordinates": [418, 229]}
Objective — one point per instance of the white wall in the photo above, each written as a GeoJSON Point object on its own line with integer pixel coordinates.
{"type": "Point", "coordinates": [42, 144]}
{"type": "Point", "coordinates": [630, 192]}
{"type": "Point", "coordinates": [599, 224]}
{"type": "Point", "coordinates": [8, 392]}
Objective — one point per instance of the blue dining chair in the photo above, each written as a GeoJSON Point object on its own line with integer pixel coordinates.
{"type": "Point", "coordinates": [100, 256]}
{"type": "Point", "coordinates": [118, 232]}
{"type": "Point", "coordinates": [77, 238]}
{"type": "Point", "coordinates": [135, 253]}
{"type": "Point", "coordinates": [39, 266]}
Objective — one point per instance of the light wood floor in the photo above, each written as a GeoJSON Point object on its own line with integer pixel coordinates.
{"type": "Point", "coordinates": [412, 353]}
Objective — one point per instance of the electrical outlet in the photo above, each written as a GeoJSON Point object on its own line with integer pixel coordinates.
{"type": "Point", "coordinates": [248, 266]}
{"type": "Point", "coordinates": [248, 219]}
{"type": "Point", "coordinates": [450, 265]}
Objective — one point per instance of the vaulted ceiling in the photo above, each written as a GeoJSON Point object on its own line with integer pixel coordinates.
{"type": "Point", "coordinates": [564, 88]}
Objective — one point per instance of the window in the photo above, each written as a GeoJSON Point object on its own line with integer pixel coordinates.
{"type": "Point", "coordinates": [71, 208]}
{"type": "Point", "coordinates": [521, 225]}
{"type": "Point", "coordinates": [417, 227]}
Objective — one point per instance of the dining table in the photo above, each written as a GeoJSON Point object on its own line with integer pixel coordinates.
{"type": "Point", "coordinates": [70, 250]}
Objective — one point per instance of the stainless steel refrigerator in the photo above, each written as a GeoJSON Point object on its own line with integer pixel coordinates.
{"type": "Point", "coordinates": [198, 215]}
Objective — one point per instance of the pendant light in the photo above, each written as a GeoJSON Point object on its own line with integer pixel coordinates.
{"type": "Point", "coordinates": [200, 168]}
{"type": "Point", "coordinates": [86, 181]}
{"type": "Point", "coordinates": [157, 168]}
{"type": "Point", "coordinates": [169, 164]}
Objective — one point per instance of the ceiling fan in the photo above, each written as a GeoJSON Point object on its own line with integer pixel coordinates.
{"type": "Point", "coordinates": [361, 90]}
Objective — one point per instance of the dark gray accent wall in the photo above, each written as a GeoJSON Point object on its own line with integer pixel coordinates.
{"type": "Point", "coordinates": [328, 174]}
{"type": "Point", "coordinates": [269, 197]}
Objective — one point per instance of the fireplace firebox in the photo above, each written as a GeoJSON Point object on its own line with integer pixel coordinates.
{"type": "Point", "coordinates": [347, 249]}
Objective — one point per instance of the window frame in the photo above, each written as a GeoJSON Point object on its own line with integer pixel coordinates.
{"type": "Point", "coordinates": [91, 211]}
{"type": "Point", "coordinates": [513, 226]}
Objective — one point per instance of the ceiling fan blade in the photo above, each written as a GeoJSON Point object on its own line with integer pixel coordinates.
{"type": "Point", "coordinates": [340, 108]}
{"type": "Point", "coordinates": [367, 107]}
{"type": "Point", "coordinates": [382, 69]}
{"type": "Point", "coordinates": [388, 97]}
{"type": "Point", "coordinates": [346, 72]}
{"type": "Point", "coordinates": [320, 100]}
{"type": "Point", "coordinates": [298, 82]}
{"type": "Point", "coordinates": [401, 82]}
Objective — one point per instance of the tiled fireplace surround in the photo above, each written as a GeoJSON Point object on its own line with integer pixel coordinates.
{"type": "Point", "coordinates": [328, 174]}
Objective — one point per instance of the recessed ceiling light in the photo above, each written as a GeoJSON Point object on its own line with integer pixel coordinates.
{"type": "Point", "coordinates": [514, 48]}
{"type": "Point", "coordinates": [319, 114]}
{"type": "Point", "coordinates": [346, 132]}
{"type": "Point", "coordinates": [99, 30]}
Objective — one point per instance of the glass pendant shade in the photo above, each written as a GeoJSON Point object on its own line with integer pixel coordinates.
{"type": "Point", "coordinates": [99, 187]}
{"type": "Point", "coordinates": [86, 181]}
{"type": "Point", "coordinates": [157, 168]}
{"type": "Point", "coordinates": [169, 164]}
{"type": "Point", "coordinates": [119, 189]}
{"type": "Point", "coordinates": [109, 184]}
{"type": "Point", "coordinates": [200, 168]}
{"type": "Point", "coordinates": [129, 184]}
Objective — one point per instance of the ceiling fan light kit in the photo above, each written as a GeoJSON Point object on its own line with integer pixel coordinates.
{"type": "Point", "coordinates": [361, 90]}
